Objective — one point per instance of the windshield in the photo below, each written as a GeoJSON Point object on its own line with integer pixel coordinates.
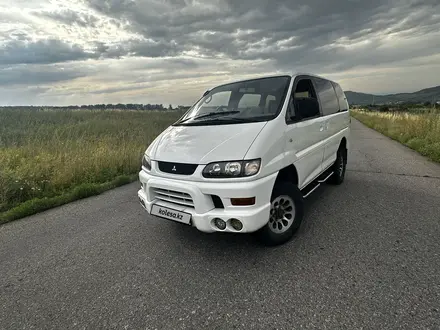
{"type": "Point", "coordinates": [240, 102]}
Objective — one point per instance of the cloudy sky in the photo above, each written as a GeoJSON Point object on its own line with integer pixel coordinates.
{"type": "Point", "coordinates": [60, 52]}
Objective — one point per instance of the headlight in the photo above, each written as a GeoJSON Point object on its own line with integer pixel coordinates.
{"type": "Point", "coordinates": [146, 162]}
{"type": "Point", "coordinates": [232, 169]}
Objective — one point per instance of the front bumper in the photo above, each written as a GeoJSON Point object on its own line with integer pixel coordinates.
{"type": "Point", "coordinates": [196, 199]}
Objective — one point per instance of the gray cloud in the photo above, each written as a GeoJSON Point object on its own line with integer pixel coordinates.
{"type": "Point", "coordinates": [287, 32]}
{"type": "Point", "coordinates": [41, 52]}
{"type": "Point", "coordinates": [70, 17]}
{"type": "Point", "coordinates": [213, 28]}
{"type": "Point", "coordinates": [138, 48]}
{"type": "Point", "coordinates": [37, 75]}
{"type": "Point", "coordinates": [145, 44]}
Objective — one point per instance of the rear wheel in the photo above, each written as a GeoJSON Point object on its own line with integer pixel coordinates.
{"type": "Point", "coordinates": [339, 167]}
{"type": "Point", "coordinates": [286, 214]}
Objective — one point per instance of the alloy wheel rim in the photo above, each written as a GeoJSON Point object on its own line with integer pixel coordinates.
{"type": "Point", "coordinates": [341, 165]}
{"type": "Point", "coordinates": [282, 214]}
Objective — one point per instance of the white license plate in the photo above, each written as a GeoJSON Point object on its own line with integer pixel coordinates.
{"type": "Point", "coordinates": [170, 214]}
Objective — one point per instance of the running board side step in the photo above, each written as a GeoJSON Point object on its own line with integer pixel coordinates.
{"type": "Point", "coordinates": [326, 178]}
{"type": "Point", "coordinates": [308, 192]}
{"type": "Point", "coordinates": [315, 184]}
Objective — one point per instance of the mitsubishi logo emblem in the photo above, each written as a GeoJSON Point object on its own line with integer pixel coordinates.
{"type": "Point", "coordinates": [174, 168]}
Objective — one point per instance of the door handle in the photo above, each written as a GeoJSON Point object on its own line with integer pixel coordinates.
{"type": "Point", "coordinates": [321, 128]}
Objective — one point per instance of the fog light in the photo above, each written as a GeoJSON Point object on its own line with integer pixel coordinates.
{"type": "Point", "coordinates": [236, 224]}
{"type": "Point", "coordinates": [220, 224]}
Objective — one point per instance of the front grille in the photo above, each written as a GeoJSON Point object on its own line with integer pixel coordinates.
{"type": "Point", "coordinates": [172, 196]}
{"type": "Point", "coordinates": [177, 168]}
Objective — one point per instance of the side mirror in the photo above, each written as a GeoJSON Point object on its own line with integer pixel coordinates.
{"type": "Point", "coordinates": [295, 118]}
{"type": "Point", "coordinates": [291, 113]}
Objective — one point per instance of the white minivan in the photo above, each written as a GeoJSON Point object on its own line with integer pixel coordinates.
{"type": "Point", "coordinates": [244, 157]}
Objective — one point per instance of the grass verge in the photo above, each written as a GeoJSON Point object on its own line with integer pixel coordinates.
{"type": "Point", "coordinates": [84, 190]}
{"type": "Point", "coordinates": [420, 131]}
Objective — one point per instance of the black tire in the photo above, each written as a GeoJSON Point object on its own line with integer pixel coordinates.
{"type": "Point", "coordinates": [271, 234]}
{"type": "Point", "coordinates": [339, 167]}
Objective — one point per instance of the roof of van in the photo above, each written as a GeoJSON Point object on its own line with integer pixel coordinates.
{"type": "Point", "coordinates": [308, 74]}
{"type": "Point", "coordinates": [290, 74]}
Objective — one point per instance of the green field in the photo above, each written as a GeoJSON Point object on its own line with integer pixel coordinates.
{"type": "Point", "coordinates": [419, 131]}
{"type": "Point", "coordinates": [48, 158]}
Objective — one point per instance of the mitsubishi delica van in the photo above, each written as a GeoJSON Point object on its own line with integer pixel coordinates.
{"type": "Point", "coordinates": [244, 157]}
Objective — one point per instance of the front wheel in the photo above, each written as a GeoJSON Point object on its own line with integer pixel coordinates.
{"type": "Point", "coordinates": [286, 214]}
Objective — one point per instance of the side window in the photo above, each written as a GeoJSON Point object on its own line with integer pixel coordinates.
{"type": "Point", "coordinates": [303, 103]}
{"type": "Point", "coordinates": [343, 104]}
{"type": "Point", "coordinates": [304, 89]}
{"type": "Point", "coordinates": [327, 96]}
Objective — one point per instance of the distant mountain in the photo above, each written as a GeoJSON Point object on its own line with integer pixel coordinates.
{"type": "Point", "coordinates": [424, 95]}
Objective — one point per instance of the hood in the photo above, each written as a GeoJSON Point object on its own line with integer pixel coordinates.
{"type": "Point", "coordinates": [204, 144]}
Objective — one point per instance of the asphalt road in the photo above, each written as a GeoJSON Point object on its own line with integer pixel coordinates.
{"type": "Point", "coordinates": [367, 256]}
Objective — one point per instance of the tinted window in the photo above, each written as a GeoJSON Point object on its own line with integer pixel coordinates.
{"type": "Point", "coordinates": [303, 103]}
{"type": "Point", "coordinates": [327, 96]}
{"type": "Point", "coordinates": [304, 88]}
{"type": "Point", "coordinates": [306, 108]}
{"type": "Point", "coordinates": [343, 104]}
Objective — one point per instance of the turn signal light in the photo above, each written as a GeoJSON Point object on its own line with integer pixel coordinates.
{"type": "Point", "coordinates": [243, 201]}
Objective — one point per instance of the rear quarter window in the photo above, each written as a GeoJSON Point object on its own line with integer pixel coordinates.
{"type": "Point", "coordinates": [343, 104]}
{"type": "Point", "coordinates": [327, 96]}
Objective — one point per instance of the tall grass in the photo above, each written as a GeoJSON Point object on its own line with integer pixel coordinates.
{"type": "Point", "coordinates": [44, 154]}
{"type": "Point", "coordinates": [419, 131]}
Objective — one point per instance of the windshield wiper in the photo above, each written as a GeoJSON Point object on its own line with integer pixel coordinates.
{"type": "Point", "coordinates": [225, 120]}
{"type": "Point", "coordinates": [211, 114]}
